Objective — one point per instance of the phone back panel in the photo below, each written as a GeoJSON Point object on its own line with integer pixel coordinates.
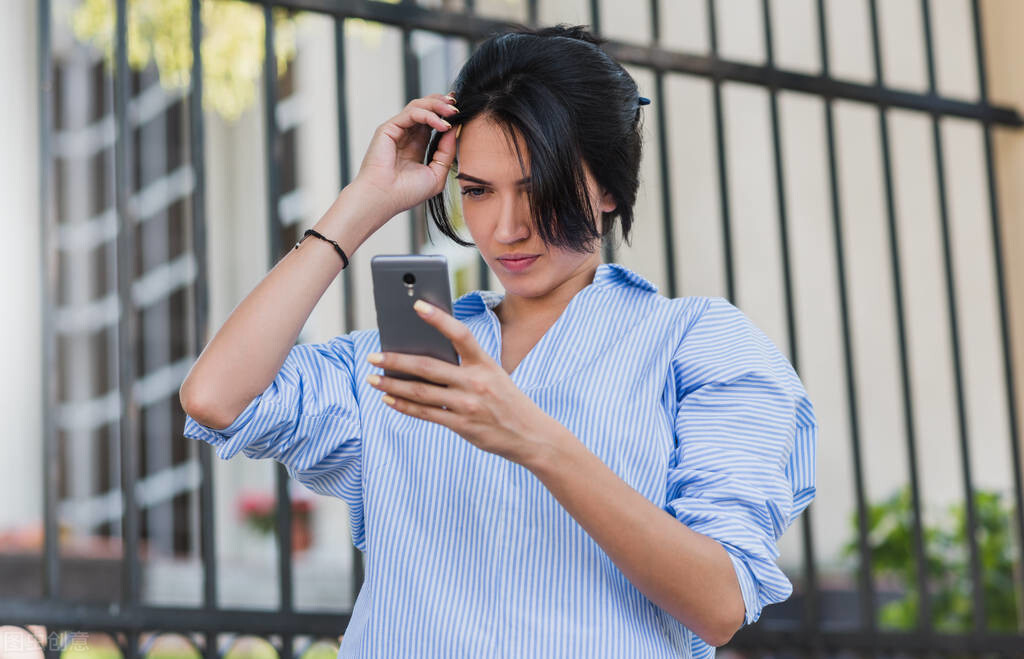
{"type": "Point", "coordinates": [401, 328]}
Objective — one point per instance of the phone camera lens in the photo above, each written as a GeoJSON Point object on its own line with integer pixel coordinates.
{"type": "Point", "coordinates": [408, 278]}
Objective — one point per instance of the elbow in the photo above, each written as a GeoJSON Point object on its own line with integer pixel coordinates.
{"type": "Point", "coordinates": [719, 636]}
{"type": "Point", "coordinates": [720, 630]}
{"type": "Point", "coordinates": [732, 620]}
{"type": "Point", "coordinates": [196, 406]}
{"type": "Point", "coordinates": [186, 399]}
{"type": "Point", "coordinates": [723, 635]}
{"type": "Point", "coordinates": [190, 401]}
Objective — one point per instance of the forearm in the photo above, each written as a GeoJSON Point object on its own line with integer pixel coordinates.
{"type": "Point", "coordinates": [684, 572]}
{"type": "Point", "coordinates": [246, 353]}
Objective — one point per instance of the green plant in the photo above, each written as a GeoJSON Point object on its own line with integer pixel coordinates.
{"type": "Point", "coordinates": [159, 31]}
{"type": "Point", "coordinates": [890, 537]}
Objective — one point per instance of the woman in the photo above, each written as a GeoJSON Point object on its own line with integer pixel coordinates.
{"type": "Point", "coordinates": [605, 473]}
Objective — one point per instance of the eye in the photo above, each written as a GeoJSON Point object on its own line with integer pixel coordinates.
{"type": "Point", "coordinates": [471, 192]}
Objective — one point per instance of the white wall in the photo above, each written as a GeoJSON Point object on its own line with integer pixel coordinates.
{"type": "Point", "coordinates": [20, 290]}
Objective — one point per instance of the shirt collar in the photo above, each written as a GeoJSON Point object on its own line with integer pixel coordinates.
{"type": "Point", "coordinates": [608, 275]}
{"type": "Point", "coordinates": [474, 302]}
{"type": "Point", "coordinates": [616, 275]}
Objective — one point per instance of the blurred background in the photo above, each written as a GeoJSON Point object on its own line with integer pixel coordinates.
{"type": "Point", "coordinates": [849, 173]}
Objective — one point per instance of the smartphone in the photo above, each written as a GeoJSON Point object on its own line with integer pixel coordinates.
{"type": "Point", "coordinates": [398, 281]}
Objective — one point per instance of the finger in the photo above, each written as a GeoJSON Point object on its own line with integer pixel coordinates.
{"type": "Point", "coordinates": [424, 393]}
{"type": "Point", "coordinates": [425, 412]}
{"type": "Point", "coordinates": [442, 105]}
{"type": "Point", "coordinates": [430, 118]}
{"type": "Point", "coordinates": [414, 116]}
{"type": "Point", "coordinates": [428, 368]}
{"type": "Point", "coordinates": [456, 331]}
{"type": "Point", "coordinates": [444, 155]}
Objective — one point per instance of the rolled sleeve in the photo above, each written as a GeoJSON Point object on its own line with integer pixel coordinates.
{"type": "Point", "coordinates": [743, 465]}
{"type": "Point", "coordinates": [220, 439]}
{"type": "Point", "coordinates": [307, 419]}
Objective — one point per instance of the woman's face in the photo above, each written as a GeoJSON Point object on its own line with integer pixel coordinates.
{"type": "Point", "coordinates": [496, 209]}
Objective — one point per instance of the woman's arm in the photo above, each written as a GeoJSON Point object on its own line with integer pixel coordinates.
{"type": "Point", "coordinates": [243, 357]}
{"type": "Point", "coordinates": [687, 574]}
{"type": "Point", "coordinates": [710, 583]}
{"type": "Point", "coordinates": [249, 349]}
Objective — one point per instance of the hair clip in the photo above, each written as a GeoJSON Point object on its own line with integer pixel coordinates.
{"type": "Point", "coordinates": [643, 100]}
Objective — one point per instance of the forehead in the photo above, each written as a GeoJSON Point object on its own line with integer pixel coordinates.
{"type": "Point", "coordinates": [485, 151]}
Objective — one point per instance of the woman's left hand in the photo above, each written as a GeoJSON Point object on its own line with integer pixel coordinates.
{"type": "Point", "coordinates": [480, 401]}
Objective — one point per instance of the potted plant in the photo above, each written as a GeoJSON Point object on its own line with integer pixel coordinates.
{"type": "Point", "coordinates": [259, 512]}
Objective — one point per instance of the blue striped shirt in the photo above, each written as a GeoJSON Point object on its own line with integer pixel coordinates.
{"type": "Point", "coordinates": [468, 554]}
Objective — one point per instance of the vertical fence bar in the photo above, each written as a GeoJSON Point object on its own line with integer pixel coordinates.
{"type": "Point", "coordinates": [197, 140]}
{"type": "Point", "coordinates": [664, 160]}
{"type": "Point", "coordinates": [1004, 314]}
{"type": "Point", "coordinates": [344, 166]}
{"type": "Point", "coordinates": [273, 148]}
{"type": "Point", "coordinates": [271, 133]}
{"type": "Point", "coordinates": [812, 608]}
{"type": "Point", "coordinates": [48, 277]}
{"type": "Point", "coordinates": [924, 623]}
{"type": "Point", "coordinates": [723, 175]}
{"type": "Point", "coordinates": [977, 593]}
{"type": "Point", "coordinates": [411, 82]}
{"type": "Point", "coordinates": [531, 12]}
{"type": "Point", "coordinates": [865, 579]}
{"type": "Point", "coordinates": [126, 322]}
{"type": "Point", "coordinates": [348, 275]}
{"type": "Point", "coordinates": [607, 246]}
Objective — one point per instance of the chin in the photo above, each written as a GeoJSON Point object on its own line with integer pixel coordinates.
{"type": "Point", "coordinates": [520, 287]}
{"type": "Point", "coordinates": [526, 286]}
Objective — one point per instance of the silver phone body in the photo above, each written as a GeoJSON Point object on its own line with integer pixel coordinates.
{"type": "Point", "coordinates": [398, 281]}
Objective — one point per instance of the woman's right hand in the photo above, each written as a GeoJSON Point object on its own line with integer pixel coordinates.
{"type": "Point", "coordinates": [393, 168]}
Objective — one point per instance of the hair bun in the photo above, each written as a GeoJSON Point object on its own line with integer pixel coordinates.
{"type": "Point", "coordinates": [578, 32]}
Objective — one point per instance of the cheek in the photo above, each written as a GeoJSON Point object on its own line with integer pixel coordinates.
{"type": "Point", "coordinates": [476, 223]}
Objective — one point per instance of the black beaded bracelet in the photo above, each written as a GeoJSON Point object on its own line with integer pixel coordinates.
{"type": "Point", "coordinates": [337, 247]}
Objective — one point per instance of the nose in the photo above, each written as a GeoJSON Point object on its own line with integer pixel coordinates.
{"type": "Point", "coordinates": [513, 219]}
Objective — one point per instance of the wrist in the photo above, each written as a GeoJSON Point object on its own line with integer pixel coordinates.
{"type": "Point", "coordinates": [549, 445]}
{"type": "Point", "coordinates": [351, 219]}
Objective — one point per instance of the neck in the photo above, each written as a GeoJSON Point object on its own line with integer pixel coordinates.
{"type": "Point", "coordinates": [515, 309]}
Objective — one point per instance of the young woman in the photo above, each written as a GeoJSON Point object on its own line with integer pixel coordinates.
{"type": "Point", "coordinates": [605, 473]}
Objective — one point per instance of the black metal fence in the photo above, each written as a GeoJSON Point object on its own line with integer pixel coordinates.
{"type": "Point", "coordinates": [129, 617]}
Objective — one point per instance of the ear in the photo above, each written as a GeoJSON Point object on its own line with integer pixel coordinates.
{"type": "Point", "coordinates": [607, 202]}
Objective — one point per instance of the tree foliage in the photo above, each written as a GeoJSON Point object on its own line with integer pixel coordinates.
{"type": "Point", "coordinates": [159, 31]}
{"type": "Point", "coordinates": [890, 537]}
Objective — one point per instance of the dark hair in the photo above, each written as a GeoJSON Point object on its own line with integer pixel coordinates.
{"type": "Point", "coordinates": [573, 105]}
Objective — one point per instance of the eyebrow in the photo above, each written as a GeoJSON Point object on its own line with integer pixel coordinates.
{"type": "Point", "coordinates": [467, 177]}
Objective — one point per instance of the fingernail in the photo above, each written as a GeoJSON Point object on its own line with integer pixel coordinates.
{"type": "Point", "coordinates": [446, 123]}
{"type": "Point", "coordinates": [388, 399]}
{"type": "Point", "coordinates": [423, 307]}
{"type": "Point", "coordinates": [458, 129]}
{"type": "Point", "coordinates": [373, 379]}
{"type": "Point", "coordinates": [375, 358]}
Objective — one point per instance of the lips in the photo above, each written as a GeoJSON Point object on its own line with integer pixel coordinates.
{"type": "Point", "coordinates": [518, 262]}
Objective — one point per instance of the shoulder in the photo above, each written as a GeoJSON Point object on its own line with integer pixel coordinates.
{"type": "Point", "coordinates": [719, 342]}
{"type": "Point", "coordinates": [716, 319]}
